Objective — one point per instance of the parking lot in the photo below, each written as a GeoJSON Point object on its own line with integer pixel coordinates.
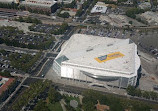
{"type": "Point", "coordinates": [5, 63]}
{"type": "Point", "coordinates": [14, 37]}
{"type": "Point", "coordinates": [44, 28]}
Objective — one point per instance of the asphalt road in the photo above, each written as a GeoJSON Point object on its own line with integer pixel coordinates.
{"type": "Point", "coordinates": [48, 64]}
{"type": "Point", "coordinates": [69, 33]}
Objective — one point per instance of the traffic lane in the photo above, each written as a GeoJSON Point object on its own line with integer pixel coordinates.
{"type": "Point", "coordinates": [46, 68]}
{"type": "Point", "coordinates": [68, 34]}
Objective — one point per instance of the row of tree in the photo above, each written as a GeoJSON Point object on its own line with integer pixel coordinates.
{"type": "Point", "coordinates": [62, 29]}
{"type": "Point", "coordinates": [56, 31]}
{"type": "Point", "coordinates": [23, 62]}
{"type": "Point", "coordinates": [15, 43]}
{"type": "Point", "coordinates": [109, 2]}
{"type": "Point", "coordinates": [28, 20]}
{"type": "Point", "coordinates": [29, 94]}
{"type": "Point", "coordinates": [139, 93]}
{"type": "Point", "coordinates": [9, 6]}
{"type": "Point", "coordinates": [11, 32]}
{"type": "Point", "coordinates": [115, 103]}
{"type": "Point", "coordinates": [53, 97]}
{"type": "Point", "coordinates": [41, 106]}
{"type": "Point", "coordinates": [63, 15]}
{"type": "Point", "coordinates": [70, 5]}
{"type": "Point", "coordinates": [84, 7]}
{"type": "Point", "coordinates": [11, 88]}
{"type": "Point", "coordinates": [5, 73]}
{"type": "Point", "coordinates": [133, 11]}
{"type": "Point", "coordinates": [38, 10]}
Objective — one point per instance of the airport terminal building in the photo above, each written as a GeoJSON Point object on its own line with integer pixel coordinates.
{"type": "Point", "coordinates": [98, 61]}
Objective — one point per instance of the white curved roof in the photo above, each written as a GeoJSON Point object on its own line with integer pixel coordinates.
{"type": "Point", "coordinates": [82, 50]}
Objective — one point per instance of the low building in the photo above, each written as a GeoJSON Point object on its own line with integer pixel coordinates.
{"type": "Point", "coordinates": [98, 61]}
{"type": "Point", "coordinates": [145, 5]}
{"type": "Point", "coordinates": [45, 5]}
{"type": "Point", "coordinates": [115, 20]}
{"type": "Point", "coordinates": [100, 7]}
{"type": "Point", "coordinates": [64, 1]}
{"type": "Point", "coordinates": [150, 17]}
{"type": "Point", "coordinates": [4, 83]}
{"type": "Point", "coordinates": [9, 1]}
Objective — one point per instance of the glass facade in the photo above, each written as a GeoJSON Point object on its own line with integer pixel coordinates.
{"type": "Point", "coordinates": [102, 78]}
{"type": "Point", "coordinates": [57, 64]}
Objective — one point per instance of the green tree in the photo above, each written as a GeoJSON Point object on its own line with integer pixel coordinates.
{"type": "Point", "coordinates": [53, 95]}
{"type": "Point", "coordinates": [79, 12]}
{"type": "Point", "coordinates": [131, 90]}
{"type": "Point", "coordinates": [146, 95]}
{"type": "Point", "coordinates": [21, 19]}
{"type": "Point", "coordinates": [133, 11]}
{"type": "Point", "coordinates": [153, 95]}
{"type": "Point", "coordinates": [65, 15]}
{"type": "Point", "coordinates": [41, 106]}
{"type": "Point", "coordinates": [130, 22]}
{"type": "Point", "coordinates": [70, 5]}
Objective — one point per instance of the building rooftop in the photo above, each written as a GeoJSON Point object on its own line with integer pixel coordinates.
{"type": "Point", "coordinates": [40, 3]}
{"type": "Point", "coordinates": [6, 0]}
{"type": "Point", "coordinates": [100, 7]}
{"type": "Point", "coordinates": [108, 54]}
{"type": "Point", "coordinates": [5, 83]}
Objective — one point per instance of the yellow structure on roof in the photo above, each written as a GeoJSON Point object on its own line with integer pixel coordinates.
{"type": "Point", "coordinates": [109, 57]}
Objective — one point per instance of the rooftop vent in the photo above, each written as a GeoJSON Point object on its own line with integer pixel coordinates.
{"type": "Point", "coordinates": [89, 50]}
{"type": "Point", "coordinates": [109, 45]}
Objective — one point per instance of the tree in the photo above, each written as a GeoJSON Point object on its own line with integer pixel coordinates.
{"type": "Point", "coordinates": [146, 95]}
{"type": "Point", "coordinates": [130, 22]}
{"type": "Point", "coordinates": [62, 29]}
{"type": "Point", "coordinates": [21, 19]}
{"type": "Point", "coordinates": [89, 106]}
{"type": "Point", "coordinates": [64, 15]}
{"type": "Point", "coordinates": [5, 74]}
{"type": "Point", "coordinates": [133, 11]}
{"type": "Point", "coordinates": [79, 12]}
{"type": "Point", "coordinates": [138, 92]}
{"type": "Point", "coordinates": [70, 5]}
{"type": "Point", "coordinates": [131, 90]}
{"type": "Point", "coordinates": [28, 20]}
{"type": "Point", "coordinates": [41, 106]}
{"type": "Point", "coordinates": [153, 95]}
{"type": "Point", "coordinates": [119, 1]}
{"type": "Point", "coordinates": [53, 95]}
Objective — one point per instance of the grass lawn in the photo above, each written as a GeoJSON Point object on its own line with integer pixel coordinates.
{"type": "Point", "coordinates": [55, 107]}
{"type": "Point", "coordinates": [68, 99]}
{"type": "Point", "coordinates": [72, 98]}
